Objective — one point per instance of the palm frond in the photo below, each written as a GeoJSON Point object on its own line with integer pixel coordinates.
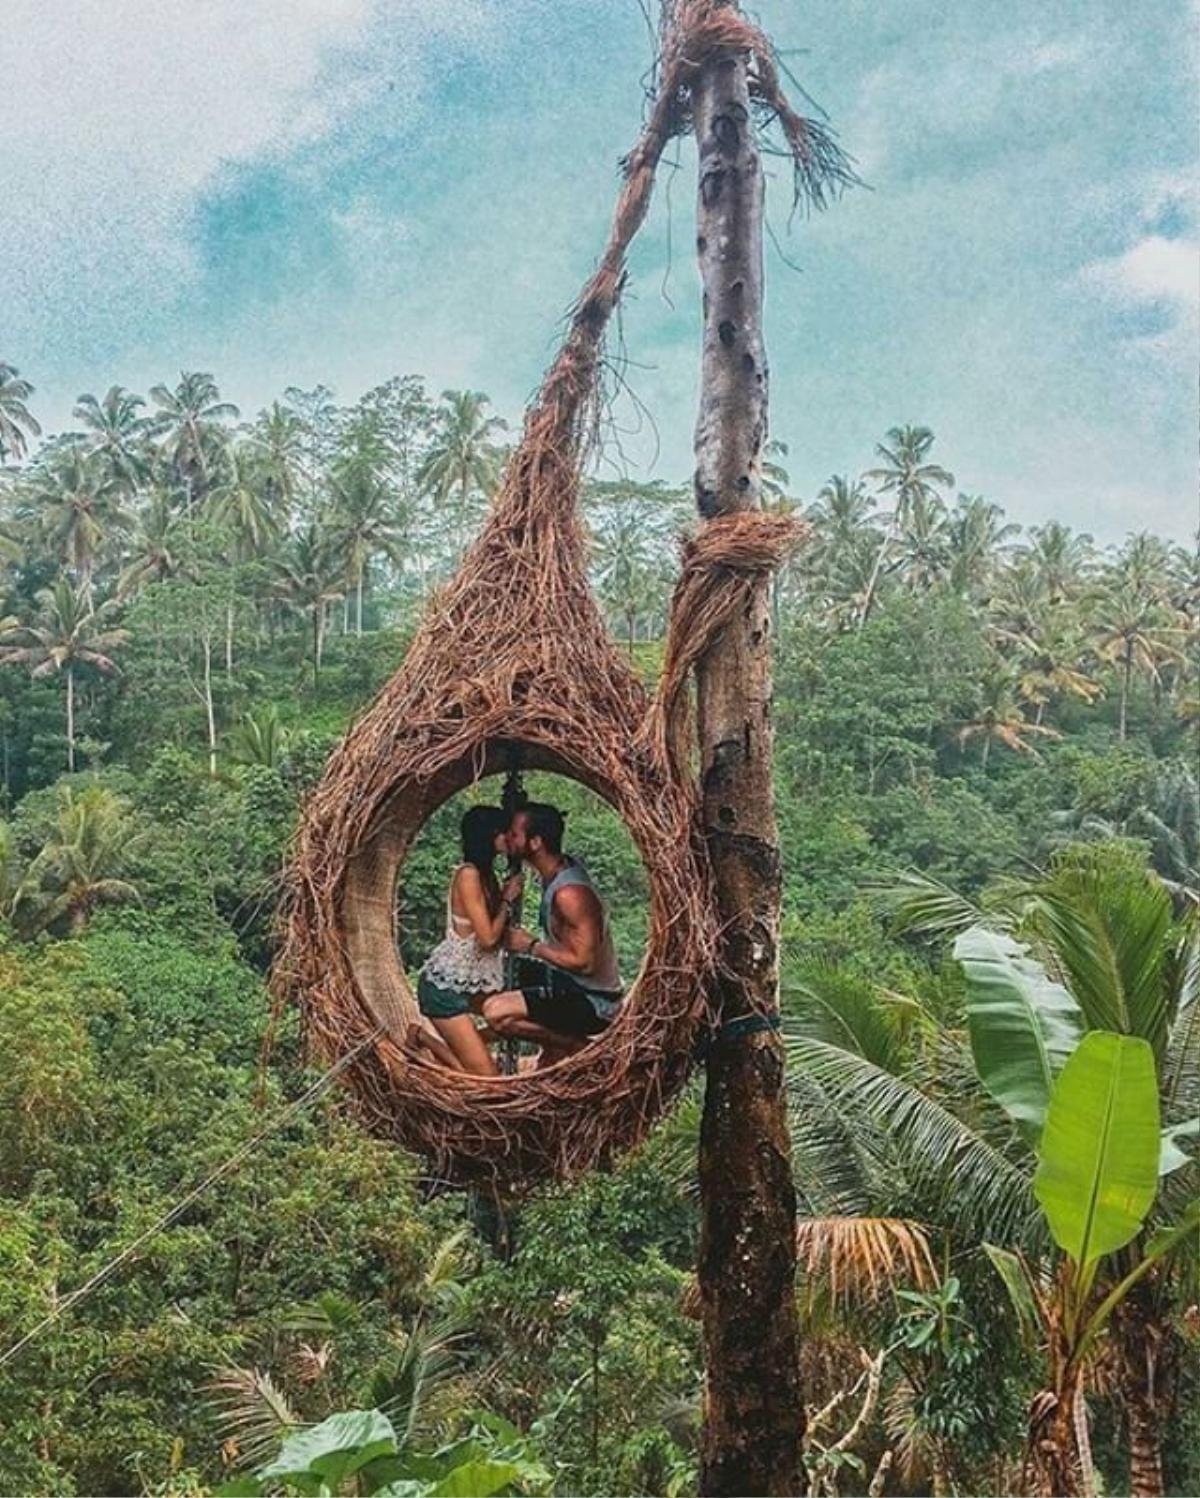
{"type": "Point", "coordinates": [860, 1259]}
{"type": "Point", "coordinates": [834, 1004]}
{"type": "Point", "coordinates": [428, 1359]}
{"type": "Point", "coordinates": [959, 1174]}
{"type": "Point", "coordinates": [920, 905]}
{"type": "Point", "coordinates": [252, 1413]}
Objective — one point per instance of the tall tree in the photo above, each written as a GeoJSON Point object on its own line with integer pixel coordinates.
{"type": "Point", "coordinates": [977, 533]}
{"type": "Point", "coordinates": [754, 1409]}
{"type": "Point", "coordinates": [81, 864]}
{"type": "Point", "coordinates": [155, 551]}
{"type": "Point", "coordinates": [68, 633]}
{"type": "Point", "coordinates": [838, 562]}
{"type": "Point", "coordinates": [17, 422]}
{"type": "Point", "coordinates": [1134, 630]}
{"type": "Point", "coordinates": [310, 575]}
{"type": "Point", "coordinates": [1060, 558]}
{"type": "Point", "coordinates": [364, 524]}
{"type": "Point", "coordinates": [79, 510]}
{"type": "Point", "coordinates": [909, 477]}
{"type": "Point", "coordinates": [191, 422]}
{"type": "Point", "coordinates": [462, 464]}
{"type": "Point", "coordinates": [116, 433]}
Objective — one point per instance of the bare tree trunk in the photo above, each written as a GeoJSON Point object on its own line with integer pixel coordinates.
{"type": "Point", "coordinates": [358, 603]}
{"type": "Point", "coordinates": [754, 1412]}
{"type": "Point", "coordinates": [209, 709]}
{"type": "Point", "coordinates": [889, 539]}
{"type": "Point", "coordinates": [1126, 674]}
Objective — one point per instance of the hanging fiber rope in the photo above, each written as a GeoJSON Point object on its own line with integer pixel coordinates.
{"type": "Point", "coordinates": [515, 649]}
{"type": "Point", "coordinates": [227, 1167]}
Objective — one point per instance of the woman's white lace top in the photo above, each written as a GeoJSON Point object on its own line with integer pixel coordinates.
{"type": "Point", "coordinates": [458, 961]}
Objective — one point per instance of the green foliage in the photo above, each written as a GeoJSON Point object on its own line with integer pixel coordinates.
{"type": "Point", "coordinates": [1098, 1155]}
{"type": "Point", "coordinates": [359, 1451]}
{"type": "Point", "coordinates": [223, 605]}
{"type": "Point", "coordinates": [1022, 1026]}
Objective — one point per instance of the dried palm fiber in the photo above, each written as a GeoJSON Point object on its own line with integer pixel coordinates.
{"type": "Point", "coordinates": [514, 650]}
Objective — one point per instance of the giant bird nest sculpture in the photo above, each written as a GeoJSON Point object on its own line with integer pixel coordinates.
{"type": "Point", "coordinates": [515, 651]}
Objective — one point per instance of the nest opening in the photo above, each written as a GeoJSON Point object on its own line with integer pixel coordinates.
{"type": "Point", "coordinates": [375, 925]}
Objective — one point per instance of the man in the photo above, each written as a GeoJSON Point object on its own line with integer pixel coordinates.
{"type": "Point", "coordinates": [571, 989]}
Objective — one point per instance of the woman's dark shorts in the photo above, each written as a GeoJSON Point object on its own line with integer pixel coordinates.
{"type": "Point", "coordinates": [436, 1002]}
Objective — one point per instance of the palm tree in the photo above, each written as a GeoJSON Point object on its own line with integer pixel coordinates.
{"type": "Point", "coordinates": [925, 556]}
{"type": "Point", "coordinates": [1049, 657]}
{"type": "Point", "coordinates": [1020, 602]}
{"type": "Point", "coordinates": [977, 533]}
{"type": "Point", "coordinates": [278, 435]}
{"type": "Point", "coordinates": [1000, 719]}
{"type": "Point", "coordinates": [1134, 629]}
{"type": "Point", "coordinates": [630, 524]}
{"type": "Point", "coordinates": [364, 524]}
{"type": "Point", "coordinates": [906, 474]}
{"type": "Point", "coordinates": [81, 507]}
{"type": "Point", "coordinates": [242, 501]}
{"type": "Point", "coordinates": [462, 463]}
{"type": "Point", "coordinates": [117, 435]}
{"type": "Point", "coordinates": [310, 575]}
{"type": "Point", "coordinates": [1144, 563]}
{"type": "Point", "coordinates": [154, 553]}
{"type": "Point", "coordinates": [79, 867]}
{"type": "Point", "coordinates": [259, 739]}
{"type": "Point", "coordinates": [775, 477]}
{"type": "Point", "coordinates": [191, 425]}
{"type": "Point", "coordinates": [838, 561]}
{"type": "Point", "coordinates": [16, 420]}
{"type": "Point", "coordinates": [1060, 558]}
{"type": "Point", "coordinates": [67, 633]}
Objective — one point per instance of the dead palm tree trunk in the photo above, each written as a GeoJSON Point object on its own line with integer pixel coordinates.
{"type": "Point", "coordinates": [754, 1413]}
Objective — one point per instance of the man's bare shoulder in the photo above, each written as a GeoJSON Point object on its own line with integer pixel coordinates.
{"type": "Point", "coordinates": [576, 902]}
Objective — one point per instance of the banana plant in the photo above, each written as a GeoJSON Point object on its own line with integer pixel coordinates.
{"type": "Point", "coordinates": [1096, 1182]}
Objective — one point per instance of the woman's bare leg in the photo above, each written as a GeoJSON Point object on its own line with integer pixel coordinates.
{"type": "Point", "coordinates": [467, 1044]}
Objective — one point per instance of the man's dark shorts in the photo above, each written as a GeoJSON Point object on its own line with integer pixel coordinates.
{"type": "Point", "coordinates": [557, 1002]}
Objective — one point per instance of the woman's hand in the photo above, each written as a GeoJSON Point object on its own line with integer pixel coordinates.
{"type": "Point", "coordinates": [513, 888]}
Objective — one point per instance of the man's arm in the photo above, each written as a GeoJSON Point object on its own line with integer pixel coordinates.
{"type": "Point", "coordinates": [580, 922]}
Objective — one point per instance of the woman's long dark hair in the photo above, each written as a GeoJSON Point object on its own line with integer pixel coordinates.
{"type": "Point", "coordinates": [478, 829]}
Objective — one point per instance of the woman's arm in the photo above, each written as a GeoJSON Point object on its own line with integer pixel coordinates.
{"type": "Point", "coordinates": [488, 928]}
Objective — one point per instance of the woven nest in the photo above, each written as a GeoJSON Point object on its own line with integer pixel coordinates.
{"type": "Point", "coordinates": [515, 651]}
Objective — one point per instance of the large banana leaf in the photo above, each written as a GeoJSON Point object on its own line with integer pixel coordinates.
{"type": "Point", "coordinates": [1022, 1025]}
{"type": "Point", "coordinates": [1098, 1158]}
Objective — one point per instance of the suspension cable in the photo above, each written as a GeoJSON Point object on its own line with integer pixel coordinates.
{"type": "Point", "coordinates": [270, 1127]}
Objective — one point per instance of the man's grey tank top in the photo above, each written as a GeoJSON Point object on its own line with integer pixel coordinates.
{"type": "Point", "coordinates": [606, 976]}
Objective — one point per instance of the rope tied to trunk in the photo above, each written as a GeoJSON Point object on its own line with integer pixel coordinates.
{"type": "Point", "coordinates": [721, 568]}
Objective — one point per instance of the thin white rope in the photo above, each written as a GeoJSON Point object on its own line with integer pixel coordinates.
{"type": "Point", "coordinates": [181, 1206]}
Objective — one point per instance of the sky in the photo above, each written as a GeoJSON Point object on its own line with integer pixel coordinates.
{"type": "Point", "coordinates": [287, 192]}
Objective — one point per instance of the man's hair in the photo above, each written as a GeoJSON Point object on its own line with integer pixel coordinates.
{"type": "Point", "coordinates": [546, 822]}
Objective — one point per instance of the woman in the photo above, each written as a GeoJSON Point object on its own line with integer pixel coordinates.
{"type": "Point", "coordinates": [468, 963]}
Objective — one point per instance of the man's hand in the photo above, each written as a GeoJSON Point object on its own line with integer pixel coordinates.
{"type": "Point", "coordinates": [513, 887]}
{"type": "Point", "coordinates": [518, 940]}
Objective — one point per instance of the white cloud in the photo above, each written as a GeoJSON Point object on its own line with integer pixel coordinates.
{"type": "Point", "coordinates": [1155, 269]}
{"type": "Point", "coordinates": [1156, 272]}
